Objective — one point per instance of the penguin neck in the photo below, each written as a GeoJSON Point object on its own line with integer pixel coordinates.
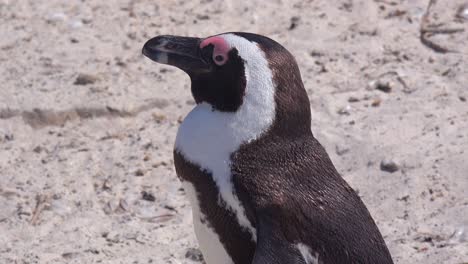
{"type": "Point", "coordinates": [207, 135]}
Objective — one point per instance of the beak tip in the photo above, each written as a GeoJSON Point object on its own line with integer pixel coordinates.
{"type": "Point", "coordinates": [144, 51]}
{"type": "Point", "coordinates": [148, 51]}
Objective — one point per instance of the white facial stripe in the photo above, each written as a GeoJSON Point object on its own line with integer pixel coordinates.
{"type": "Point", "coordinates": [208, 137]}
{"type": "Point", "coordinates": [306, 254]}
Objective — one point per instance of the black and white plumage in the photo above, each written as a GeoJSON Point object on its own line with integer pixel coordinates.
{"type": "Point", "coordinates": [262, 188]}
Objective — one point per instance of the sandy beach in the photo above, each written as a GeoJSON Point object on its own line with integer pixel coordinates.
{"type": "Point", "coordinates": [87, 123]}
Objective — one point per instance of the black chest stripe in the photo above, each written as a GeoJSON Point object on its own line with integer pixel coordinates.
{"type": "Point", "coordinates": [236, 240]}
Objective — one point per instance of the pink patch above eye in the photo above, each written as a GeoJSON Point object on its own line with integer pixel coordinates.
{"type": "Point", "coordinates": [220, 51]}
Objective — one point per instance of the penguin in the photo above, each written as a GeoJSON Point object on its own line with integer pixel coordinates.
{"type": "Point", "coordinates": [263, 190]}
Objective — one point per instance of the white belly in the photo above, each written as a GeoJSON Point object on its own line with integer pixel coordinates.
{"type": "Point", "coordinates": [210, 244]}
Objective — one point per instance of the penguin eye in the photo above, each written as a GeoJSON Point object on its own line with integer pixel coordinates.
{"type": "Point", "coordinates": [219, 58]}
{"type": "Point", "coordinates": [209, 55]}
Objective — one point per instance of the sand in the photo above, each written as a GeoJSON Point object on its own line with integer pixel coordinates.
{"type": "Point", "coordinates": [87, 124]}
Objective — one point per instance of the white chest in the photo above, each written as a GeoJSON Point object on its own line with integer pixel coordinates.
{"type": "Point", "coordinates": [208, 138]}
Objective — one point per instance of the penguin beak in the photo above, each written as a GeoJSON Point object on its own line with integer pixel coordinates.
{"type": "Point", "coordinates": [181, 52]}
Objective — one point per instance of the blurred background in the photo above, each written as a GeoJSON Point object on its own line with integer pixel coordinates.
{"type": "Point", "coordinates": [87, 124]}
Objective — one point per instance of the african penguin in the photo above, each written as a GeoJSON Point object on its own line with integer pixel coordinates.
{"type": "Point", "coordinates": [262, 188]}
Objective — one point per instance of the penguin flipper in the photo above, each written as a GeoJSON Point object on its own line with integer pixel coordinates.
{"type": "Point", "coordinates": [272, 246]}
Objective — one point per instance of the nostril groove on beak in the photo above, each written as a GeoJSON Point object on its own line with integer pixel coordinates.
{"type": "Point", "coordinates": [171, 46]}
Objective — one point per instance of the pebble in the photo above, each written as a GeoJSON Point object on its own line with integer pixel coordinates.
{"type": "Point", "coordinates": [147, 196]}
{"type": "Point", "coordinates": [381, 85]}
{"type": "Point", "coordinates": [139, 173]}
{"type": "Point", "coordinates": [316, 53]}
{"type": "Point", "coordinates": [385, 87]}
{"type": "Point", "coordinates": [463, 12]}
{"type": "Point", "coordinates": [56, 17]}
{"type": "Point", "coordinates": [341, 150]}
{"type": "Point", "coordinates": [85, 79]}
{"type": "Point", "coordinates": [294, 22]}
{"type": "Point", "coordinates": [203, 17]}
{"type": "Point", "coordinates": [353, 99]}
{"type": "Point", "coordinates": [158, 118]}
{"type": "Point", "coordinates": [376, 102]}
{"type": "Point", "coordinates": [389, 165]}
{"type": "Point", "coordinates": [70, 255]}
{"type": "Point", "coordinates": [345, 110]}
{"type": "Point", "coordinates": [460, 235]}
{"type": "Point", "coordinates": [113, 237]}
{"type": "Point", "coordinates": [159, 164]}
{"type": "Point", "coordinates": [38, 149]}
{"type": "Point", "coordinates": [9, 137]}
{"type": "Point", "coordinates": [194, 254]}
{"type": "Point", "coordinates": [75, 24]}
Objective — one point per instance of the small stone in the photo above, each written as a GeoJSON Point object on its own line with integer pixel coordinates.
{"type": "Point", "coordinates": [113, 237]}
{"type": "Point", "coordinates": [389, 166]}
{"type": "Point", "coordinates": [9, 137]}
{"type": "Point", "coordinates": [170, 207]}
{"type": "Point", "coordinates": [194, 254]}
{"type": "Point", "coordinates": [70, 255]}
{"type": "Point", "coordinates": [384, 86]}
{"type": "Point", "coordinates": [85, 79]}
{"type": "Point", "coordinates": [460, 235]}
{"type": "Point", "coordinates": [294, 22]}
{"type": "Point", "coordinates": [353, 99]}
{"type": "Point", "coordinates": [76, 24]}
{"type": "Point", "coordinates": [38, 149]}
{"type": "Point", "coordinates": [132, 35]}
{"type": "Point", "coordinates": [139, 173]}
{"type": "Point", "coordinates": [462, 98]}
{"type": "Point", "coordinates": [147, 196]}
{"type": "Point", "coordinates": [345, 110]}
{"type": "Point", "coordinates": [159, 164]}
{"type": "Point", "coordinates": [462, 12]}
{"type": "Point", "coordinates": [341, 150]}
{"type": "Point", "coordinates": [316, 53]}
{"type": "Point", "coordinates": [203, 17]}
{"type": "Point", "coordinates": [106, 185]}
{"type": "Point", "coordinates": [180, 119]}
{"type": "Point", "coordinates": [159, 118]}
{"type": "Point", "coordinates": [56, 17]}
{"type": "Point", "coordinates": [123, 206]}
{"type": "Point", "coordinates": [376, 102]}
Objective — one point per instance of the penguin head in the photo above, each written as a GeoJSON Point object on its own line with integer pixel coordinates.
{"type": "Point", "coordinates": [232, 70]}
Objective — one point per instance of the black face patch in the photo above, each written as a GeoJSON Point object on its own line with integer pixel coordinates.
{"type": "Point", "coordinates": [224, 86]}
